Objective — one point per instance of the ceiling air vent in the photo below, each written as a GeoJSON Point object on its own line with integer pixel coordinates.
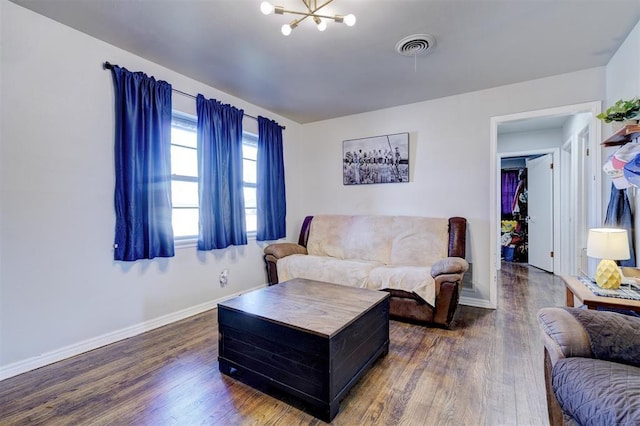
{"type": "Point", "coordinates": [417, 44]}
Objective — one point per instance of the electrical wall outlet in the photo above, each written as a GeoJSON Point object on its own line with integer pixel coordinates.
{"type": "Point", "coordinates": [224, 277]}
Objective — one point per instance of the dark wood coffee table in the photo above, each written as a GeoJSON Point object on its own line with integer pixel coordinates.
{"type": "Point", "coordinates": [311, 339]}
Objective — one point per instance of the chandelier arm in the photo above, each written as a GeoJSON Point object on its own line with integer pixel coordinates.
{"type": "Point", "coordinates": [310, 11]}
{"type": "Point", "coordinates": [319, 7]}
{"type": "Point", "coordinates": [307, 14]}
{"type": "Point", "coordinates": [303, 18]}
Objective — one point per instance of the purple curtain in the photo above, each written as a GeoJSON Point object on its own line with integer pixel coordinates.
{"type": "Point", "coordinates": [509, 186]}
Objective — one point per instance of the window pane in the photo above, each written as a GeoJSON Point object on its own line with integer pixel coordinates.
{"type": "Point", "coordinates": [184, 161]}
{"type": "Point", "coordinates": [249, 171]}
{"type": "Point", "coordinates": [249, 197]}
{"type": "Point", "coordinates": [252, 220]}
{"type": "Point", "coordinates": [185, 222]}
{"type": "Point", "coordinates": [184, 194]}
{"type": "Point", "coordinates": [250, 155]}
{"type": "Point", "coordinates": [184, 137]}
{"type": "Point", "coordinates": [250, 150]}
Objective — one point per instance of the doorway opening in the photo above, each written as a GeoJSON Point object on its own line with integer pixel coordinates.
{"type": "Point", "coordinates": [570, 135]}
{"type": "Point", "coordinates": [528, 213]}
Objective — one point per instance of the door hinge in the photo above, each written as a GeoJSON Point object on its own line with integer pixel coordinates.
{"type": "Point", "coordinates": [551, 166]}
{"type": "Point", "coordinates": [551, 254]}
{"type": "Point", "coordinates": [587, 152]}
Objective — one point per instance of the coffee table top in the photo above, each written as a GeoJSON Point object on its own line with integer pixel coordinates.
{"type": "Point", "coordinates": [577, 288]}
{"type": "Point", "coordinates": [316, 307]}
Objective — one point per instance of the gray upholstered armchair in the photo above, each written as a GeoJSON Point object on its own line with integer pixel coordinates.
{"type": "Point", "coordinates": [592, 366]}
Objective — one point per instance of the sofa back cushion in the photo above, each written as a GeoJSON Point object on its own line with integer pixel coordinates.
{"type": "Point", "coordinates": [419, 241]}
{"type": "Point", "coordinates": [350, 237]}
{"type": "Point", "coordinates": [396, 240]}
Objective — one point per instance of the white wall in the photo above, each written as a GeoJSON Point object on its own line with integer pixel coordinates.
{"type": "Point", "coordinates": [574, 125]}
{"type": "Point", "coordinates": [59, 286]}
{"type": "Point", "coordinates": [623, 70]}
{"type": "Point", "coordinates": [526, 141]}
{"type": "Point", "coordinates": [449, 144]}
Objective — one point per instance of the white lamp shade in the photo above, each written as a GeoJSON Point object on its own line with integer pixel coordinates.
{"type": "Point", "coordinates": [608, 243]}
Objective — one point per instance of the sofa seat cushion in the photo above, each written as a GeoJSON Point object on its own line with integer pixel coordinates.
{"type": "Point", "coordinates": [412, 279]}
{"type": "Point", "coordinates": [324, 268]}
{"type": "Point", "coordinates": [598, 392]}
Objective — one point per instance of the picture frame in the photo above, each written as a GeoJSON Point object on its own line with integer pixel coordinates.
{"type": "Point", "coordinates": [376, 159]}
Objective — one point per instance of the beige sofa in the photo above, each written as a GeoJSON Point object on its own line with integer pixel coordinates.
{"type": "Point", "coordinates": [419, 260]}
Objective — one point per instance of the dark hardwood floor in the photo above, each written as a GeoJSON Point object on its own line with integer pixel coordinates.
{"type": "Point", "coordinates": [487, 370]}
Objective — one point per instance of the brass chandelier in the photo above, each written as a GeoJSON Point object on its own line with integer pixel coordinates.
{"type": "Point", "coordinates": [311, 12]}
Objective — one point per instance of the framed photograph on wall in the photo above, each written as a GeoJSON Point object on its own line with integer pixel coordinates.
{"type": "Point", "coordinates": [377, 159]}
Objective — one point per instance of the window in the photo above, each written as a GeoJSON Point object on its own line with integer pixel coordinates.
{"type": "Point", "coordinates": [249, 170]}
{"type": "Point", "coordinates": [184, 177]}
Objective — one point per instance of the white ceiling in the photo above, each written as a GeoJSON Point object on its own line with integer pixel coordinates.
{"type": "Point", "coordinates": [311, 76]}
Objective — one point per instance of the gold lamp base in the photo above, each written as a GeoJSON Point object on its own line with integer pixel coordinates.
{"type": "Point", "coordinates": [608, 274]}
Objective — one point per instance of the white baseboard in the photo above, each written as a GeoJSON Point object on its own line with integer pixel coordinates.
{"type": "Point", "coordinates": [106, 339]}
{"type": "Point", "coordinates": [476, 303]}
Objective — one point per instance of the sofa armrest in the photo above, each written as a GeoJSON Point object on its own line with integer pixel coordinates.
{"type": "Point", "coordinates": [276, 251]}
{"type": "Point", "coordinates": [563, 335]}
{"type": "Point", "coordinates": [447, 274]}
{"type": "Point", "coordinates": [449, 265]}
{"type": "Point", "coordinates": [280, 250]}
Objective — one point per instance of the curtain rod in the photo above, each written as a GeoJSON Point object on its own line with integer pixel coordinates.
{"type": "Point", "coordinates": [108, 66]}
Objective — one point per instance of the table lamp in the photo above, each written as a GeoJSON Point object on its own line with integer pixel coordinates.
{"type": "Point", "coordinates": [608, 244]}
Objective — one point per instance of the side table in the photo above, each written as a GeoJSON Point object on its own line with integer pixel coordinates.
{"type": "Point", "coordinates": [578, 290]}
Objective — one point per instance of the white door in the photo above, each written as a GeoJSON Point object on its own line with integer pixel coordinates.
{"type": "Point", "coordinates": [540, 209]}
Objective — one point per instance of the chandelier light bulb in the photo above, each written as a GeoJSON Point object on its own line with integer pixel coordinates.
{"type": "Point", "coordinates": [322, 25]}
{"type": "Point", "coordinates": [350, 20]}
{"type": "Point", "coordinates": [266, 8]}
{"type": "Point", "coordinates": [286, 28]}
